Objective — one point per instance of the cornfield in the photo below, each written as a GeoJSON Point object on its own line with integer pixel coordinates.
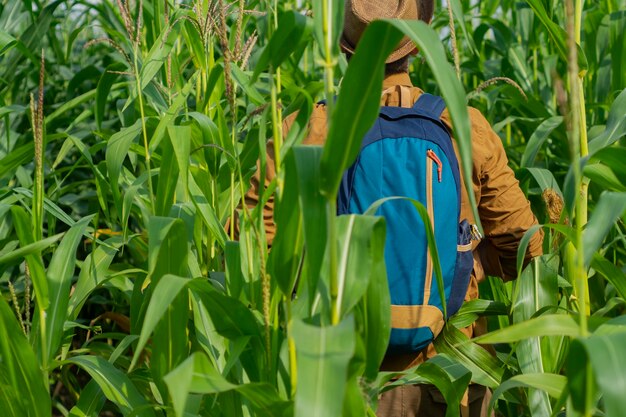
{"type": "Point", "coordinates": [129, 131]}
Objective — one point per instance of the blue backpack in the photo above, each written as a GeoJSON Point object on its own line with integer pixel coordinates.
{"type": "Point", "coordinates": [409, 153]}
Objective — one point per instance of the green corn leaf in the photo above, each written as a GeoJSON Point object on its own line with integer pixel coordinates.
{"type": "Point", "coordinates": [537, 288]}
{"type": "Point", "coordinates": [87, 74]}
{"type": "Point", "coordinates": [115, 385]}
{"type": "Point", "coordinates": [292, 28]}
{"type": "Point", "coordinates": [24, 232]}
{"type": "Point", "coordinates": [546, 325]}
{"type": "Point", "coordinates": [179, 380]}
{"type": "Point", "coordinates": [615, 125]}
{"type": "Point", "coordinates": [194, 42]}
{"type": "Point", "coordinates": [231, 318]}
{"type": "Point", "coordinates": [361, 240]}
{"type": "Point", "coordinates": [75, 102]}
{"type": "Point", "coordinates": [285, 257]}
{"type": "Point", "coordinates": [298, 128]}
{"type": "Point", "coordinates": [209, 340]}
{"type": "Point", "coordinates": [611, 273]}
{"type": "Point", "coordinates": [108, 78]}
{"type": "Point", "coordinates": [6, 42]}
{"type": "Point", "coordinates": [327, 32]}
{"type": "Point", "coordinates": [21, 380]}
{"type": "Point", "coordinates": [207, 213]}
{"type": "Point", "coordinates": [486, 369]}
{"type": "Point", "coordinates": [168, 247]}
{"type": "Point", "coordinates": [215, 84]}
{"type": "Point", "coordinates": [566, 231]}
{"type": "Point", "coordinates": [168, 178]}
{"type": "Point", "coordinates": [580, 380]}
{"type": "Point", "coordinates": [618, 55]}
{"type": "Point", "coordinates": [603, 354]}
{"type": "Point", "coordinates": [117, 151]}
{"type": "Point", "coordinates": [126, 342]}
{"type": "Point", "coordinates": [538, 138]}
{"type": "Point", "coordinates": [435, 372]}
{"type": "Point", "coordinates": [552, 384]}
{"type": "Point", "coordinates": [93, 273]}
{"type": "Point", "coordinates": [517, 58]}
{"type": "Point", "coordinates": [214, 145]}
{"type": "Point", "coordinates": [53, 209]}
{"type": "Point", "coordinates": [603, 176]}
{"type": "Point", "coordinates": [131, 198]}
{"type": "Point", "coordinates": [16, 158]}
{"type": "Point", "coordinates": [460, 15]}
{"type": "Point", "coordinates": [163, 296]}
{"type": "Point", "coordinates": [90, 401]}
{"type": "Point", "coordinates": [612, 157]}
{"type": "Point", "coordinates": [354, 402]}
{"type": "Point", "coordinates": [545, 179]}
{"type": "Point", "coordinates": [378, 318]}
{"type": "Point", "coordinates": [615, 325]}
{"type": "Point", "coordinates": [197, 375]}
{"type": "Point", "coordinates": [12, 109]}
{"type": "Point", "coordinates": [558, 34]}
{"type": "Point", "coordinates": [154, 61]}
{"type": "Point", "coordinates": [232, 257]}
{"type": "Point", "coordinates": [471, 310]}
{"type": "Point", "coordinates": [29, 249]}
{"type": "Point", "coordinates": [30, 39]}
{"type": "Point", "coordinates": [167, 119]}
{"type": "Point", "coordinates": [180, 136]}
{"type": "Point", "coordinates": [323, 354]}
{"type": "Point", "coordinates": [170, 343]}
{"type": "Point", "coordinates": [60, 273]}
{"type": "Point", "coordinates": [242, 78]}
{"type": "Point", "coordinates": [305, 165]}
{"type": "Point", "coordinates": [610, 208]}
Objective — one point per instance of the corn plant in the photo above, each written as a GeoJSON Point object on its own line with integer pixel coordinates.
{"type": "Point", "coordinates": [135, 279]}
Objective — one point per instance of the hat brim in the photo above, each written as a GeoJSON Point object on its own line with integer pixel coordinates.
{"type": "Point", "coordinates": [405, 48]}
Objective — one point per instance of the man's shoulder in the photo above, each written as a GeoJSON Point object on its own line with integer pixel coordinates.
{"type": "Point", "coordinates": [316, 126]}
{"type": "Point", "coordinates": [481, 130]}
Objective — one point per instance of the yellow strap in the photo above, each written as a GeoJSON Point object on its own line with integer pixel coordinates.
{"type": "Point", "coordinates": [387, 91]}
{"type": "Point", "coordinates": [412, 317]}
{"type": "Point", "coordinates": [405, 96]}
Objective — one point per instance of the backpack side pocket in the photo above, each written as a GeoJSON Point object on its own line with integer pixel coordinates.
{"type": "Point", "coordinates": [463, 268]}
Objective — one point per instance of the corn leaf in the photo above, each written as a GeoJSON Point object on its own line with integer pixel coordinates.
{"type": "Point", "coordinates": [21, 380]}
{"type": "Point", "coordinates": [115, 385]}
{"type": "Point", "coordinates": [60, 273]}
{"type": "Point", "coordinates": [323, 354]}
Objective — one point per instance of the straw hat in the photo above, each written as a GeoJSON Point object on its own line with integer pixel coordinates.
{"type": "Point", "coordinates": [359, 13]}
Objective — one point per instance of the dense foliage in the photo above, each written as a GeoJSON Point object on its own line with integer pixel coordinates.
{"type": "Point", "coordinates": [130, 129]}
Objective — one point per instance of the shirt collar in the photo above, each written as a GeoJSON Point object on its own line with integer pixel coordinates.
{"type": "Point", "coordinates": [397, 79]}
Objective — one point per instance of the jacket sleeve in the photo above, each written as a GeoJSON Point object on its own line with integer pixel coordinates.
{"type": "Point", "coordinates": [504, 211]}
{"type": "Point", "coordinates": [257, 181]}
{"type": "Point", "coordinates": [315, 134]}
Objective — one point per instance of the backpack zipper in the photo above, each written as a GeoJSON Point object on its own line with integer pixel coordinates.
{"type": "Point", "coordinates": [432, 155]}
{"type": "Point", "coordinates": [428, 279]}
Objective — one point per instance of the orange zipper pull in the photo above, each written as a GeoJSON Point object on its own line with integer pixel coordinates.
{"type": "Point", "coordinates": [432, 155]}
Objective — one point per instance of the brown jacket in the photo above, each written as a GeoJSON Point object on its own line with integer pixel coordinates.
{"type": "Point", "coordinates": [504, 211]}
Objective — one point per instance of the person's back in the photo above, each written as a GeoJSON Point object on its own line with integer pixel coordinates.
{"type": "Point", "coordinates": [504, 211]}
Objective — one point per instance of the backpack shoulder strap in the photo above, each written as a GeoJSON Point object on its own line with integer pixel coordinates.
{"type": "Point", "coordinates": [430, 106]}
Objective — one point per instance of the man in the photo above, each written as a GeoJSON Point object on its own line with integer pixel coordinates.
{"type": "Point", "coordinates": [504, 211]}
